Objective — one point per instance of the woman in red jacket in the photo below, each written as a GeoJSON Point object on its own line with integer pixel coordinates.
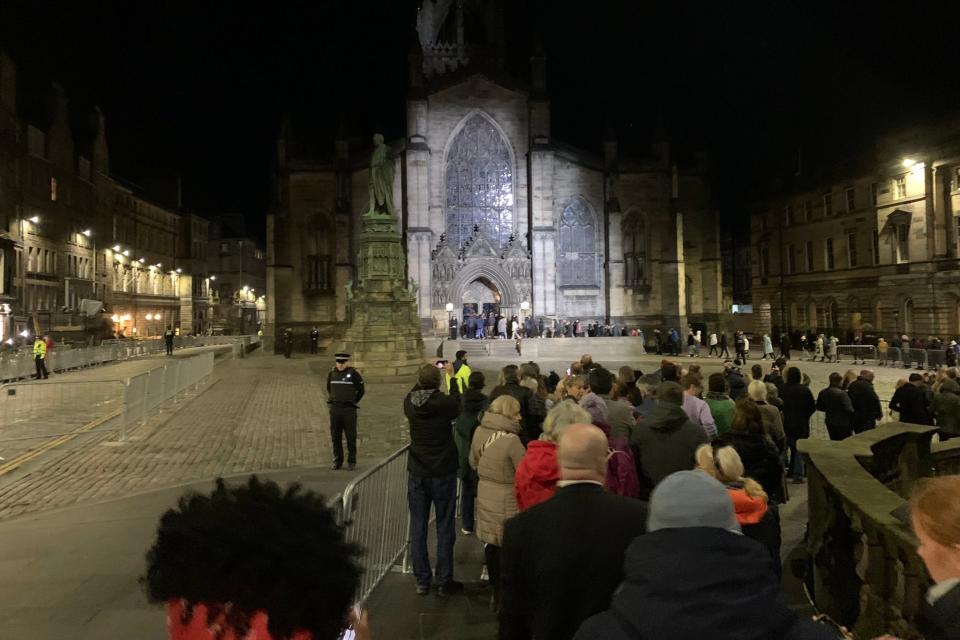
{"type": "Point", "coordinates": [538, 473]}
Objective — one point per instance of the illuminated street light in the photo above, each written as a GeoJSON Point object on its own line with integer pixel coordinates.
{"type": "Point", "coordinates": [34, 219]}
{"type": "Point", "coordinates": [908, 162]}
{"type": "Point", "coordinates": [116, 248]}
{"type": "Point", "coordinates": [213, 277]}
{"type": "Point", "coordinates": [159, 265]}
{"type": "Point", "coordinates": [149, 316]}
{"type": "Point", "coordinates": [87, 232]}
{"type": "Point", "coordinates": [25, 333]}
{"type": "Point", "coordinates": [179, 270]}
{"type": "Point", "coordinates": [142, 260]}
{"type": "Point", "coordinates": [126, 252]}
{"type": "Point", "coordinates": [245, 288]}
{"type": "Point", "coordinates": [115, 318]}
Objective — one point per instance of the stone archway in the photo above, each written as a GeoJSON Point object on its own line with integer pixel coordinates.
{"type": "Point", "coordinates": [491, 275]}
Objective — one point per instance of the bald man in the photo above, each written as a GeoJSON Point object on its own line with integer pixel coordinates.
{"type": "Point", "coordinates": [562, 559]}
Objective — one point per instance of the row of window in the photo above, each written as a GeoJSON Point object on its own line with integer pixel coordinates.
{"type": "Point", "coordinates": [901, 248]}
{"type": "Point", "coordinates": [804, 213]}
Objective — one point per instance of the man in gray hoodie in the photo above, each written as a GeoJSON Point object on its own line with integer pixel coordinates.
{"type": "Point", "coordinates": [666, 440]}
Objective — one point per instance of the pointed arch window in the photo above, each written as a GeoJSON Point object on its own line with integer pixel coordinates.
{"type": "Point", "coordinates": [635, 251]}
{"type": "Point", "coordinates": [578, 246]}
{"type": "Point", "coordinates": [479, 184]}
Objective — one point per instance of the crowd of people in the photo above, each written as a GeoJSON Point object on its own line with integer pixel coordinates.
{"type": "Point", "coordinates": [614, 505]}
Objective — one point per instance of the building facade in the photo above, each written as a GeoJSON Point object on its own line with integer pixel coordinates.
{"type": "Point", "coordinates": [871, 249]}
{"type": "Point", "coordinates": [496, 214]}
{"type": "Point", "coordinates": [72, 235]}
{"type": "Point", "coordinates": [238, 266]}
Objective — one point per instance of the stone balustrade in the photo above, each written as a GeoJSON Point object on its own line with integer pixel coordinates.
{"type": "Point", "coordinates": [863, 566]}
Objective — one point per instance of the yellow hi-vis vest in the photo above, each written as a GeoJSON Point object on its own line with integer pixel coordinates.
{"type": "Point", "coordinates": [39, 348]}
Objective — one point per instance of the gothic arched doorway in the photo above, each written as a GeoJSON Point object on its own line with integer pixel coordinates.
{"type": "Point", "coordinates": [480, 305]}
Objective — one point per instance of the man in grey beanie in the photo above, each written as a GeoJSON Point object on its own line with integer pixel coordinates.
{"type": "Point", "coordinates": [694, 576]}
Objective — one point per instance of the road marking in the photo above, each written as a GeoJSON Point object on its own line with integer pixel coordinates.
{"type": "Point", "coordinates": [30, 455]}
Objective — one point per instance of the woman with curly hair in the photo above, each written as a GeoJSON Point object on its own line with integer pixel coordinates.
{"type": "Point", "coordinates": [254, 562]}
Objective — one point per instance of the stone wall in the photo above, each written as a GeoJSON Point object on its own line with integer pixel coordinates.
{"type": "Point", "coordinates": [864, 570]}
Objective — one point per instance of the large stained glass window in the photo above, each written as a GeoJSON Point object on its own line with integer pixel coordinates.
{"type": "Point", "coordinates": [578, 246]}
{"type": "Point", "coordinates": [479, 184]}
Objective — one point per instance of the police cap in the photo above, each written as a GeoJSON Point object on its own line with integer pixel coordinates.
{"type": "Point", "coordinates": [341, 357]}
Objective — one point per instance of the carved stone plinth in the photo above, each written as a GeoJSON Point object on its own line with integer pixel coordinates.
{"type": "Point", "coordinates": [382, 326]}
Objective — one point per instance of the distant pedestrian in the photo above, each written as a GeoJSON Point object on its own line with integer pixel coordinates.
{"type": "Point", "coordinates": [714, 348]}
{"type": "Point", "coordinates": [40, 357]}
{"type": "Point", "coordinates": [502, 328]}
{"type": "Point", "coordinates": [315, 340]}
{"type": "Point", "coordinates": [785, 346]}
{"type": "Point", "coordinates": [168, 339]}
{"type": "Point", "coordinates": [882, 348]}
{"type": "Point", "coordinates": [767, 347]}
{"type": "Point", "coordinates": [818, 349]}
{"type": "Point", "coordinates": [287, 342]}
{"type": "Point", "coordinates": [344, 390]}
{"type": "Point", "coordinates": [724, 352]}
{"type": "Point", "coordinates": [740, 346]}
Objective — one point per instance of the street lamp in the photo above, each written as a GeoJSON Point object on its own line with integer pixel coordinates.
{"type": "Point", "coordinates": [34, 219]}
{"type": "Point", "coordinates": [453, 329]}
{"type": "Point", "coordinates": [908, 162]}
{"type": "Point", "coordinates": [87, 232]}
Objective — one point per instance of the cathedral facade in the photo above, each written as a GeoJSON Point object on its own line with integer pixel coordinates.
{"type": "Point", "coordinates": [496, 214]}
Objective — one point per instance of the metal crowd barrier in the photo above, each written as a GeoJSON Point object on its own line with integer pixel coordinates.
{"type": "Point", "coordinates": [373, 510]}
{"type": "Point", "coordinates": [19, 364]}
{"type": "Point", "coordinates": [65, 409]}
{"type": "Point", "coordinates": [859, 352]}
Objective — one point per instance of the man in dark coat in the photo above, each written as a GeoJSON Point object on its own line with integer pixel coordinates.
{"type": "Point", "coordinates": [866, 403]}
{"type": "Point", "coordinates": [432, 476]}
{"type": "Point", "coordinates": [798, 406]}
{"type": "Point", "coordinates": [552, 582]}
{"type": "Point", "coordinates": [837, 408]}
{"type": "Point", "coordinates": [693, 576]}
{"type": "Point", "coordinates": [946, 408]}
{"type": "Point", "coordinates": [735, 381]}
{"type": "Point", "coordinates": [911, 400]}
{"type": "Point", "coordinates": [667, 440]}
{"type": "Point", "coordinates": [532, 409]}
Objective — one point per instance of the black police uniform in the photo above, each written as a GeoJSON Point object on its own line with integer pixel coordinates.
{"type": "Point", "coordinates": [344, 391]}
{"type": "Point", "coordinates": [314, 341]}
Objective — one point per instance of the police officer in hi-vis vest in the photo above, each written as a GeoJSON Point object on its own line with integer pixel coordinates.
{"type": "Point", "coordinates": [344, 391]}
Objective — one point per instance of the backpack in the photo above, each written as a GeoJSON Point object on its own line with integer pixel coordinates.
{"type": "Point", "coordinates": [622, 479]}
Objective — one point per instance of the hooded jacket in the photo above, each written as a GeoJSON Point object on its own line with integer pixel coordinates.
{"type": "Point", "coordinates": [946, 407]}
{"type": "Point", "coordinates": [696, 583]}
{"type": "Point", "coordinates": [433, 452]}
{"type": "Point", "coordinates": [665, 441]}
{"type": "Point", "coordinates": [537, 476]}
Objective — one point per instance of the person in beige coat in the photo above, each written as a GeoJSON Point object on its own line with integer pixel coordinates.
{"type": "Point", "coordinates": [772, 420]}
{"type": "Point", "coordinates": [495, 454]}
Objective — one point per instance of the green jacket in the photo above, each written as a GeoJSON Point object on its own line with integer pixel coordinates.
{"type": "Point", "coordinates": [722, 408]}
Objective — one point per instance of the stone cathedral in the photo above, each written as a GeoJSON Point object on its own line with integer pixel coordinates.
{"type": "Point", "coordinates": [493, 210]}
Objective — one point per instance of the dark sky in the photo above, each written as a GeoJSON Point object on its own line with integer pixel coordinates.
{"type": "Point", "coordinates": [198, 88]}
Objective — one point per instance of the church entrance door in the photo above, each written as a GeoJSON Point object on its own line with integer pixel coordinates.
{"type": "Point", "coordinates": [481, 305]}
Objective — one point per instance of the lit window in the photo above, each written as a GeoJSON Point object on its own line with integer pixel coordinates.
{"type": "Point", "coordinates": [852, 249]}
{"type": "Point", "coordinates": [828, 254]}
{"type": "Point", "coordinates": [53, 189]}
{"type": "Point", "coordinates": [851, 195]}
{"type": "Point", "coordinates": [901, 186]}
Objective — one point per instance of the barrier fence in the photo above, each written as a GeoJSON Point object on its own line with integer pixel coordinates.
{"type": "Point", "coordinates": [19, 365]}
{"type": "Point", "coordinates": [60, 410]}
{"type": "Point", "coordinates": [905, 356]}
{"type": "Point", "coordinates": [373, 510]}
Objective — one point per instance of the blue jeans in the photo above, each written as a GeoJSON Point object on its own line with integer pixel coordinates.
{"type": "Point", "coordinates": [797, 468]}
{"type": "Point", "coordinates": [468, 501]}
{"type": "Point", "coordinates": [422, 491]}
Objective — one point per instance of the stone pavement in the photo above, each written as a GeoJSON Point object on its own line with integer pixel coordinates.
{"type": "Point", "coordinates": [258, 413]}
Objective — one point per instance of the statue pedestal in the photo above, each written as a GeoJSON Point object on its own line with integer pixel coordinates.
{"type": "Point", "coordinates": [383, 332]}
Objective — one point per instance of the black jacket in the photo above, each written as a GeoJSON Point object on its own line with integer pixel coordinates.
{"type": "Point", "coordinates": [550, 583]}
{"type": "Point", "coordinates": [431, 413]}
{"type": "Point", "coordinates": [798, 406]}
{"type": "Point", "coordinates": [945, 613]}
{"type": "Point", "coordinates": [697, 584]}
{"type": "Point", "coordinates": [532, 409]}
{"type": "Point", "coordinates": [761, 461]}
{"type": "Point", "coordinates": [911, 401]}
{"type": "Point", "coordinates": [836, 405]}
{"type": "Point", "coordinates": [664, 442]}
{"type": "Point", "coordinates": [866, 405]}
{"type": "Point", "coordinates": [472, 404]}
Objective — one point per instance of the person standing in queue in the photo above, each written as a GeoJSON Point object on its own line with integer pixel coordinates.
{"type": "Point", "coordinates": [344, 391]}
{"type": "Point", "coordinates": [168, 339]}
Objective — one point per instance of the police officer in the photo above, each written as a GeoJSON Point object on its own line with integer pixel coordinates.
{"type": "Point", "coordinates": [287, 342]}
{"type": "Point", "coordinates": [344, 391]}
{"type": "Point", "coordinates": [314, 340]}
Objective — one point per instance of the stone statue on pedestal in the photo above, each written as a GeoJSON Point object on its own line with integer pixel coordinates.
{"type": "Point", "coordinates": [380, 183]}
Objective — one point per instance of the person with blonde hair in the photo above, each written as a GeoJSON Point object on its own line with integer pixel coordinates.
{"type": "Point", "coordinates": [495, 454]}
{"type": "Point", "coordinates": [935, 514]}
{"type": "Point", "coordinates": [758, 518]}
{"type": "Point", "coordinates": [772, 420]}
{"type": "Point", "coordinates": [536, 478]}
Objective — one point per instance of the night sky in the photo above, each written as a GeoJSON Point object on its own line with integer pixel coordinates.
{"type": "Point", "coordinates": [198, 88]}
